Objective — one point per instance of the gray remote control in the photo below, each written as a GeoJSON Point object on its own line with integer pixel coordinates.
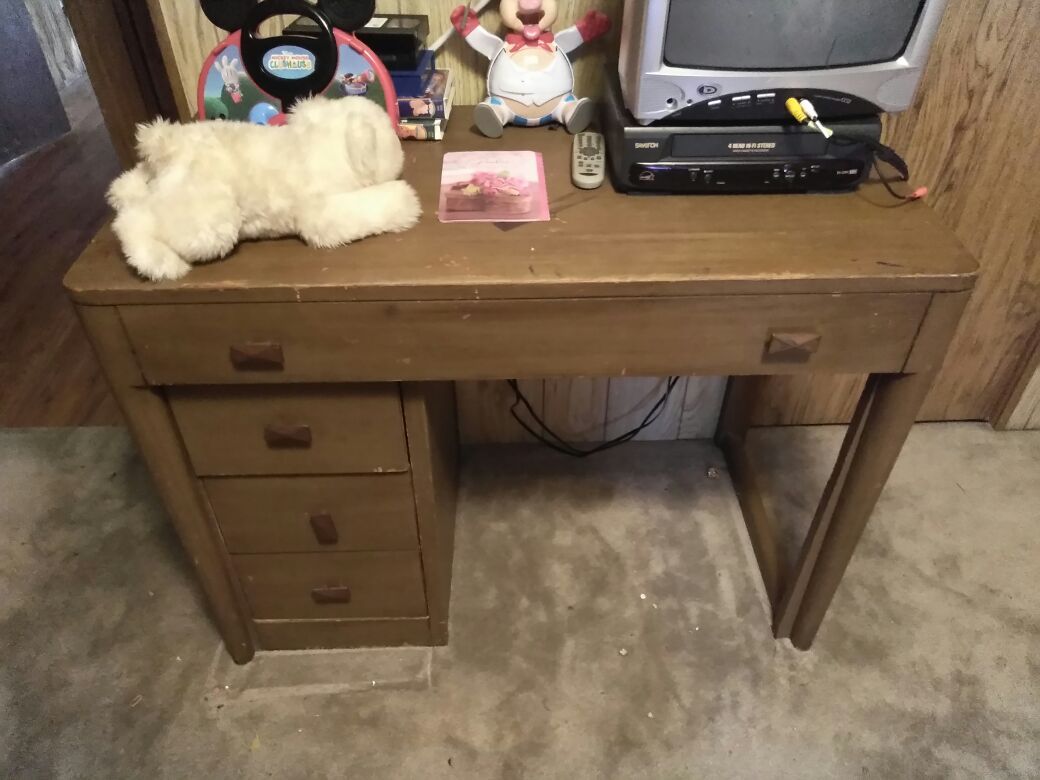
{"type": "Point", "coordinates": [588, 160]}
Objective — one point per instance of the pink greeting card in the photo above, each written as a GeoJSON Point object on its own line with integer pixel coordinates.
{"type": "Point", "coordinates": [493, 187]}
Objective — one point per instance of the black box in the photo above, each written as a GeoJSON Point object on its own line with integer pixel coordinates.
{"type": "Point", "coordinates": [397, 39]}
{"type": "Point", "coordinates": [704, 158]}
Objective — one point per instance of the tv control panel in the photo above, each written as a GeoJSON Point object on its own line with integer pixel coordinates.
{"type": "Point", "coordinates": [709, 105]}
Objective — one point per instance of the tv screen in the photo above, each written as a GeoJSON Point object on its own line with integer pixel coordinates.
{"type": "Point", "coordinates": [787, 34]}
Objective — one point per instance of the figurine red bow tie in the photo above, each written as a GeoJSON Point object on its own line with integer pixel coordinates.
{"type": "Point", "coordinates": [517, 41]}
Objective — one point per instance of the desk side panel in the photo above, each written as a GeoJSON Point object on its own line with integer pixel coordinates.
{"type": "Point", "coordinates": [155, 432]}
{"type": "Point", "coordinates": [430, 419]}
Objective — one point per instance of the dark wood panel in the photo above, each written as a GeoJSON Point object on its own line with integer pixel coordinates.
{"type": "Point", "coordinates": [348, 429]}
{"type": "Point", "coordinates": [280, 514]}
{"type": "Point", "coordinates": [123, 61]}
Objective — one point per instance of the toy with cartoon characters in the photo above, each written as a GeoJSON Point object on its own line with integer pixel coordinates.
{"type": "Point", "coordinates": [530, 80]}
{"type": "Point", "coordinates": [257, 79]}
{"type": "Point", "coordinates": [357, 83]}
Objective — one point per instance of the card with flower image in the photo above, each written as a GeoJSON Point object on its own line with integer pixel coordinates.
{"type": "Point", "coordinates": [493, 187]}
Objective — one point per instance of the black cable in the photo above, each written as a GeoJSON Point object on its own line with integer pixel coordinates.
{"type": "Point", "coordinates": [888, 185]}
{"type": "Point", "coordinates": [565, 447]}
{"type": "Point", "coordinates": [882, 153]}
{"type": "Point", "coordinates": [554, 441]}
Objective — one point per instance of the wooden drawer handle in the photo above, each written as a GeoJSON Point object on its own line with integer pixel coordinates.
{"type": "Point", "coordinates": [331, 595]}
{"type": "Point", "coordinates": [324, 528]}
{"type": "Point", "coordinates": [287, 436]}
{"type": "Point", "coordinates": [792, 344]}
{"type": "Point", "coordinates": [257, 356]}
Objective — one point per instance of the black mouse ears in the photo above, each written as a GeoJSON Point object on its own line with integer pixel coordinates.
{"type": "Point", "coordinates": [227, 14]}
{"type": "Point", "coordinates": [347, 15]}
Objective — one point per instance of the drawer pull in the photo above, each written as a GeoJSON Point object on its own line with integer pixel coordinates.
{"type": "Point", "coordinates": [792, 345]}
{"type": "Point", "coordinates": [287, 436]}
{"type": "Point", "coordinates": [257, 356]}
{"type": "Point", "coordinates": [324, 528]}
{"type": "Point", "coordinates": [331, 595]}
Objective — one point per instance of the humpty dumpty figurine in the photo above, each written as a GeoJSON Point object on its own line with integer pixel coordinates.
{"type": "Point", "coordinates": [530, 81]}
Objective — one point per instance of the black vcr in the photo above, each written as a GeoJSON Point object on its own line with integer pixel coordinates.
{"type": "Point", "coordinates": [725, 158]}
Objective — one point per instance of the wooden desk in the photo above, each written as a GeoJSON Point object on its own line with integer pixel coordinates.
{"type": "Point", "coordinates": [296, 409]}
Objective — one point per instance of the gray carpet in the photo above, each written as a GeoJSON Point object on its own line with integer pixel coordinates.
{"type": "Point", "coordinates": [926, 667]}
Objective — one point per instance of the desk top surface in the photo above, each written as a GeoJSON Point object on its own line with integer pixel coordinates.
{"type": "Point", "coordinates": [598, 244]}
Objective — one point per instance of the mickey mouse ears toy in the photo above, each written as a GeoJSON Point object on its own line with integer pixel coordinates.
{"type": "Point", "coordinates": [253, 78]}
{"type": "Point", "coordinates": [346, 15]}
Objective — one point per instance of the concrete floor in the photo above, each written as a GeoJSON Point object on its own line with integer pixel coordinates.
{"type": "Point", "coordinates": [927, 665]}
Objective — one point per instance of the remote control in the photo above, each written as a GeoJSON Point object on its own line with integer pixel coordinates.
{"type": "Point", "coordinates": [588, 160]}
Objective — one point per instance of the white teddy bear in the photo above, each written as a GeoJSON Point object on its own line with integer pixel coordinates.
{"type": "Point", "coordinates": [328, 175]}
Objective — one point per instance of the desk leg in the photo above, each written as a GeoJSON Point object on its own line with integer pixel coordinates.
{"type": "Point", "coordinates": [158, 440]}
{"type": "Point", "coordinates": [887, 410]}
{"type": "Point", "coordinates": [742, 394]}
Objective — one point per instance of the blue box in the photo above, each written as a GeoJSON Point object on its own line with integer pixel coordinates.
{"type": "Point", "coordinates": [413, 82]}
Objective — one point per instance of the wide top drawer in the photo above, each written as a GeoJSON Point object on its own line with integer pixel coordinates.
{"type": "Point", "coordinates": [341, 342]}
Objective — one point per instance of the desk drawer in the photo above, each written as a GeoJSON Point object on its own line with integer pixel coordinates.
{"type": "Point", "coordinates": [346, 342]}
{"type": "Point", "coordinates": [315, 514]}
{"type": "Point", "coordinates": [328, 429]}
{"type": "Point", "coordinates": [333, 585]}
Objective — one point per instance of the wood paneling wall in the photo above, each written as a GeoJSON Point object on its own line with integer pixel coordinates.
{"type": "Point", "coordinates": [186, 38]}
{"type": "Point", "coordinates": [1023, 405]}
{"type": "Point", "coordinates": [970, 137]}
{"type": "Point", "coordinates": [57, 41]}
{"type": "Point", "coordinates": [471, 67]}
{"type": "Point", "coordinates": [191, 37]}
{"type": "Point", "coordinates": [591, 410]}
{"type": "Point", "coordinates": [1026, 416]}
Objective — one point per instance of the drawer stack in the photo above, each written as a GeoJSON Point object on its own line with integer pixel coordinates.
{"type": "Point", "coordinates": [311, 489]}
{"type": "Point", "coordinates": [322, 502]}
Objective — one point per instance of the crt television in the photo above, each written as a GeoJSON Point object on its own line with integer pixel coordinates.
{"type": "Point", "coordinates": [737, 61]}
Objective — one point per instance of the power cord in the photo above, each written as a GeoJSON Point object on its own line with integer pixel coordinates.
{"type": "Point", "coordinates": [804, 113]}
{"type": "Point", "coordinates": [554, 441]}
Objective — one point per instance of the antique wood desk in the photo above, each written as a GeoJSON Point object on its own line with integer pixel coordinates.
{"type": "Point", "coordinates": [296, 407]}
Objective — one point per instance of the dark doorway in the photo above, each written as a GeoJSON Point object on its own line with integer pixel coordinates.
{"type": "Point", "coordinates": [31, 112]}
